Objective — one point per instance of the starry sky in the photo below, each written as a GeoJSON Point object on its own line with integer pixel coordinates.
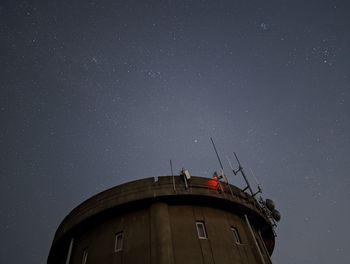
{"type": "Point", "coordinates": [95, 94]}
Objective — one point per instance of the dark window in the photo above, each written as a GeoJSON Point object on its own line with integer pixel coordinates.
{"type": "Point", "coordinates": [202, 232]}
{"type": "Point", "coordinates": [236, 236]}
{"type": "Point", "coordinates": [85, 256]}
{"type": "Point", "coordinates": [118, 244]}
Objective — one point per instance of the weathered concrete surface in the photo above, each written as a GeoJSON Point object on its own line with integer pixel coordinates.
{"type": "Point", "coordinates": [158, 221]}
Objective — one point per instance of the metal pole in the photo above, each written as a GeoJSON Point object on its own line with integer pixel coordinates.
{"type": "Point", "coordinates": [222, 167]}
{"type": "Point", "coordinates": [255, 242]}
{"type": "Point", "coordinates": [243, 174]}
{"type": "Point", "coordinates": [172, 174]}
{"type": "Point", "coordinates": [69, 251]}
{"type": "Point", "coordinates": [265, 248]}
{"type": "Point", "coordinates": [248, 185]}
{"type": "Point", "coordinates": [217, 155]}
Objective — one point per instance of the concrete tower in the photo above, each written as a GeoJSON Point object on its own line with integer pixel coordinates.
{"type": "Point", "coordinates": [173, 220]}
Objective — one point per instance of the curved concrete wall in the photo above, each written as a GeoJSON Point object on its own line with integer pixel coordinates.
{"type": "Point", "coordinates": [158, 223]}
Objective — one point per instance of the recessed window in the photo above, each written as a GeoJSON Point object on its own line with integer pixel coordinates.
{"type": "Point", "coordinates": [236, 236]}
{"type": "Point", "coordinates": [118, 244]}
{"type": "Point", "coordinates": [202, 232]}
{"type": "Point", "coordinates": [85, 256]}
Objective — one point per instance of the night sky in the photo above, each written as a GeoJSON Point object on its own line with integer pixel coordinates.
{"type": "Point", "coordinates": [95, 94]}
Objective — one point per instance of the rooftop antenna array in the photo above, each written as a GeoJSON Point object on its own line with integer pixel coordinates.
{"type": "Point", "coordinates": [267, 205]}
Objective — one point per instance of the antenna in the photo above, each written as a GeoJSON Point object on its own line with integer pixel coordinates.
{"type": "Point", "coordinates": [268, 205]}
{"type": "Point", "coordinates": [172, 174]}
{"type": "Point", "coordinates": [256, 180]}
{"type": "Point", "coordinates": [239, 164]}
{"type": "Point", "coordinates": [216, 152]}
{"type": "Point", "coordinates": [257, 183]}
{"type": "Point", "coordinates": [229, 163]}
{"type": "Point", "coordinates": [222, 167]}
{"type": "Point", "coordinates": [240, 169]}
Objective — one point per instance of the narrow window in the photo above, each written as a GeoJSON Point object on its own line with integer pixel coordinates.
{"type": "Point", "coordinates": [85, 256]}
{"type": "Point", "coordinates": [118, 244]}
{"type": "Point", "coordinates": [236, 236]}
{"type": "Point", "coordinates": [202, 232]}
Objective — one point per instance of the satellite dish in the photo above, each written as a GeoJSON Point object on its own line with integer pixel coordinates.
{"type": "Point", "coordinates": [270, 204]}
{"type": "Point", "coordinates": [276, 215]}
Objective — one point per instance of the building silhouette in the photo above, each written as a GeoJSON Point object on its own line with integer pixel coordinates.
{"type": "Point", "coordinates": [168, 219]}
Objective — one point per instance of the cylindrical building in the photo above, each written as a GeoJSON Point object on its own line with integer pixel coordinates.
{"type": "Point", "coordinates": [166, 220]}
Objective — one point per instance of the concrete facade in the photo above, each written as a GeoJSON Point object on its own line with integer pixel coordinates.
{"type": "Point", "coordinates": [161, 221]}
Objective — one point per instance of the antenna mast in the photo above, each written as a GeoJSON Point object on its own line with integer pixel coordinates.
{"type": "Point", "coordinates": [240, 169]}
{"type": "Point", "coordinates": [172, 174]}
{"type": "Point", "coordinates": [222, 167]}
